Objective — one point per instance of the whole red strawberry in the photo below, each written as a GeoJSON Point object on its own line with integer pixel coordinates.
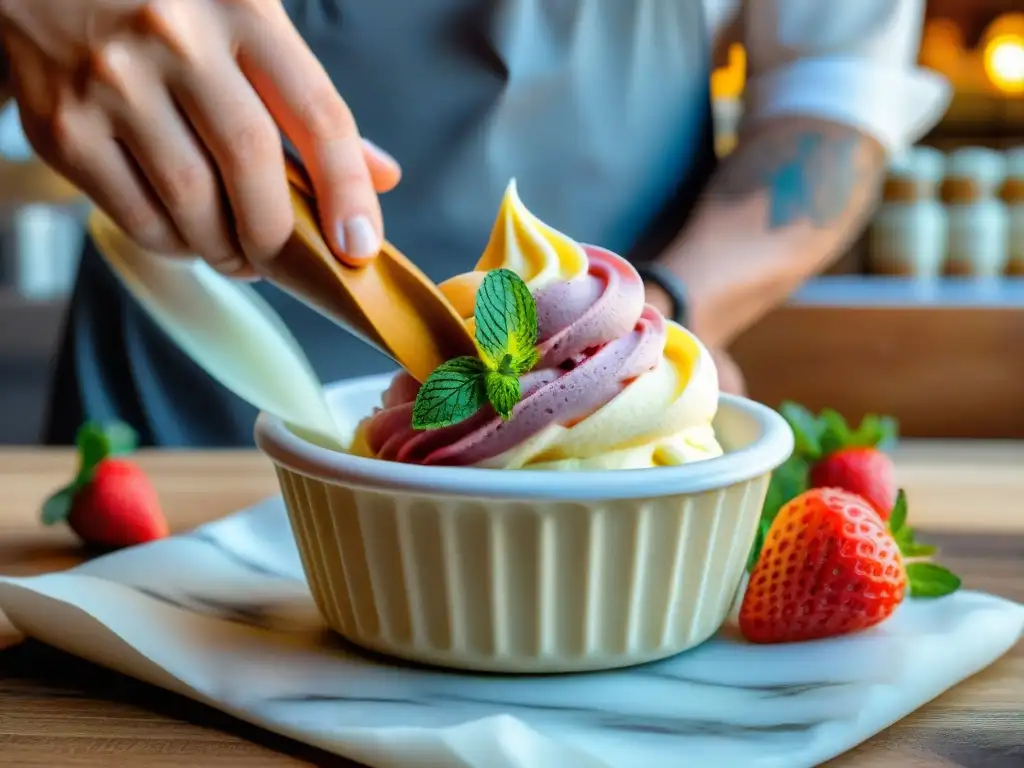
{"type": "Point", "coordinates": [868, 472]}
{"type": "Point", "coordinates": [841, 457]}
{"type": "Point", "coordinates": [830, 566]}
{"type": "Point", "coordinates": [111, 502]}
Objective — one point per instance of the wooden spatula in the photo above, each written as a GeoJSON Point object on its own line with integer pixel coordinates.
{"type": "Point", "coordinates": [389, 302]}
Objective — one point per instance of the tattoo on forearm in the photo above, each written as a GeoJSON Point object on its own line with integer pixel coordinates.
{"type": "Point", "coordinates": [812, 178]}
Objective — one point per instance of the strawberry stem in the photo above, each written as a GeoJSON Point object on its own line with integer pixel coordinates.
{"type": "Point", "coordinates": [95, 443]}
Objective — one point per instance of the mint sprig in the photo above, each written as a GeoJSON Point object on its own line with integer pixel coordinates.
{"type": "Point", "coordinates": [506, 339]}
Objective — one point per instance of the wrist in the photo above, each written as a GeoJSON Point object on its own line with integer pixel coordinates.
{"type": "Point", "coordinates": [658, 299]}
{"type": "Point", "coordinates": [665, 291]}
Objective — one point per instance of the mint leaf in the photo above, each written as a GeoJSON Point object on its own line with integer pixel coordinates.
{"type": "Point", "coordinates": [452, 393]}
{"type": "Point", "coordinates": [502, 392]}
{"type": "Point", "coordinates": [506, 323]}
{"type": "Point", "coordinates": [931, 580]}
{"type": "Point", "coordinates": [806, 429]}
{"type": "Point", "coordinates": [57, 508]}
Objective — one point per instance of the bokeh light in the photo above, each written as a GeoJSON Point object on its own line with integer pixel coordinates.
{"type": "Point", "coordinates": [1004, 62]}
{"type": "Point", "coordinates": [1003, 52]}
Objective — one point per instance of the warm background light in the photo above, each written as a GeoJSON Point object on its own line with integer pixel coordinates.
{"type": "Point", "coordinates": [1003, 52]}
{"type": "Point", "coordinates": [1004, 63]}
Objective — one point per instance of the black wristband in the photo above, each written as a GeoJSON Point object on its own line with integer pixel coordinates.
{"type": "Point", "coordinates": [671, 284]}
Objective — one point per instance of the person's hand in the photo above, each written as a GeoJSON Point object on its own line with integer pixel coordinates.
{"type": "Point", "coordinates": [166, 114]}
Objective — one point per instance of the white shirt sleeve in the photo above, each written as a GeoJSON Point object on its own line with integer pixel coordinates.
{"type": "Point", "coordinates": [848, 61]}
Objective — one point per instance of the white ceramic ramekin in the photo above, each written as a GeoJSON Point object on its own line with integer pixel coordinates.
{"type": "Point", "coordinates": [524, 571]}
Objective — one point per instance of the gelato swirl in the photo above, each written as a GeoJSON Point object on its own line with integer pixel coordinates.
{"type": "Point", "coordinates": [617, 386]}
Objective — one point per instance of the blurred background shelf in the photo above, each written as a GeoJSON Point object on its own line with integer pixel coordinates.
{"type": "Point", "coordinates": [944, 366]}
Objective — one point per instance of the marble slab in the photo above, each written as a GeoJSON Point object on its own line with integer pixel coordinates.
{"type": "Point", "coordinates": [223, 615]}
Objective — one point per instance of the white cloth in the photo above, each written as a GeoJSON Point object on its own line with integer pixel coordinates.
{"type": "Point", "coordinates": [848, 61]}
{"type": "Point", "coordinates": [223, 615]}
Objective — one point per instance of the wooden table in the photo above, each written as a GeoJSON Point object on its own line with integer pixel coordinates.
{"type": "Point", "coordinates": [58, 711]}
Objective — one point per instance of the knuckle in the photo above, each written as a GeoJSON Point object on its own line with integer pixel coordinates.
{"type": "Point", "coordinates": [143, 225]}
{"type": "Point", "coordinates": [324, 114]}
{"type": "Point", "coordinates": [109, 62]}
{"type": "Point", "coordinates": [63, 131]}
{"type": "Point", "coordinates": [349, 177]}
{"type": "Point", "coordinates": [264, 236]}
{"type": "Point", "coordinates": [252, 141]}
{"type": "Point", "coordinates": [187, 184]}
{"type": "Point", "coordinates": [172, 22]}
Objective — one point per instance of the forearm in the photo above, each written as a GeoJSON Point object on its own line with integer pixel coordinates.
{"type": "Point", "coordinates": [779, 209]}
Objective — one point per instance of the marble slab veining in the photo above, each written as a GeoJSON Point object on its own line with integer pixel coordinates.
{"type": "Point", "coordinates": [223, 615]}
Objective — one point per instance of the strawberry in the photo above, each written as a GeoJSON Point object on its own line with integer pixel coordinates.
{"type": "Point", "coordinates": [865, 471]}
{"type": "Point", "coordinates": [839, 457]}
{"type": "Point", "coordinates": [830, 566]}
{"type": "Point", "coordinates": [111, 502]}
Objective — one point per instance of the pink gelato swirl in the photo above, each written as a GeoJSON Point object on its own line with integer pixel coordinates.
{"type": "Point", "coordinates": [595, 337]}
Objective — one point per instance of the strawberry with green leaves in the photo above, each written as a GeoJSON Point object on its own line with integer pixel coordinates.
{"type": "Point", "coordinates": [830, 566]}
{"type": "Point", "coordinates": [841, 457]}
{"type": "Point", "coordinates": [110, 503]}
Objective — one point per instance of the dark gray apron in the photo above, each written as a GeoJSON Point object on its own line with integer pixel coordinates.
{"type": "Point", "coordinates": [599, 108]}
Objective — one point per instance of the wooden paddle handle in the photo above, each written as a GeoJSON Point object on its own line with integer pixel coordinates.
{"type": "Point", "coordinates": [389, 302]}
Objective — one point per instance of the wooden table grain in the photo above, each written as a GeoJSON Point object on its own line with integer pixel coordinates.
{"type": "Point", "coordinates": [56, 710]}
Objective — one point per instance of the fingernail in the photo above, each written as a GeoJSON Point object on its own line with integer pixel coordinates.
{"type": "Point", "coordinates": [382, 154]}
{"type": "Point", "coordinates": [358, 239]}
{"type": "Point", "coordinates": [230, 266]}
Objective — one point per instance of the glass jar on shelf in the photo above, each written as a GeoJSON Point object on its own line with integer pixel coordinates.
{"type": "Point", "coordinates": [977, 216]}
{"type": "Point", "coordinates": [909, 232]}
{"type": "Point", "coordinates": [1013, 197]}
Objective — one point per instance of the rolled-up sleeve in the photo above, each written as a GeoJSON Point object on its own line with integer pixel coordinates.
{"type": "Point", "coordinates": [848, 61]}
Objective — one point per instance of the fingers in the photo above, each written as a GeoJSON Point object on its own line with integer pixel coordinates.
{"type": "Point", "coordinates": [150, 125]}
{"type": "Point", "coordinates": [94, 162]}
{"type": "Point", "coordinates": [385, 172]}
{"type": "Point", "coordinates": [77, 140]}
{"type": "Point", "coordinates": [246, 147]}
{"type": "Point", "coordinates": [309, 110]}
